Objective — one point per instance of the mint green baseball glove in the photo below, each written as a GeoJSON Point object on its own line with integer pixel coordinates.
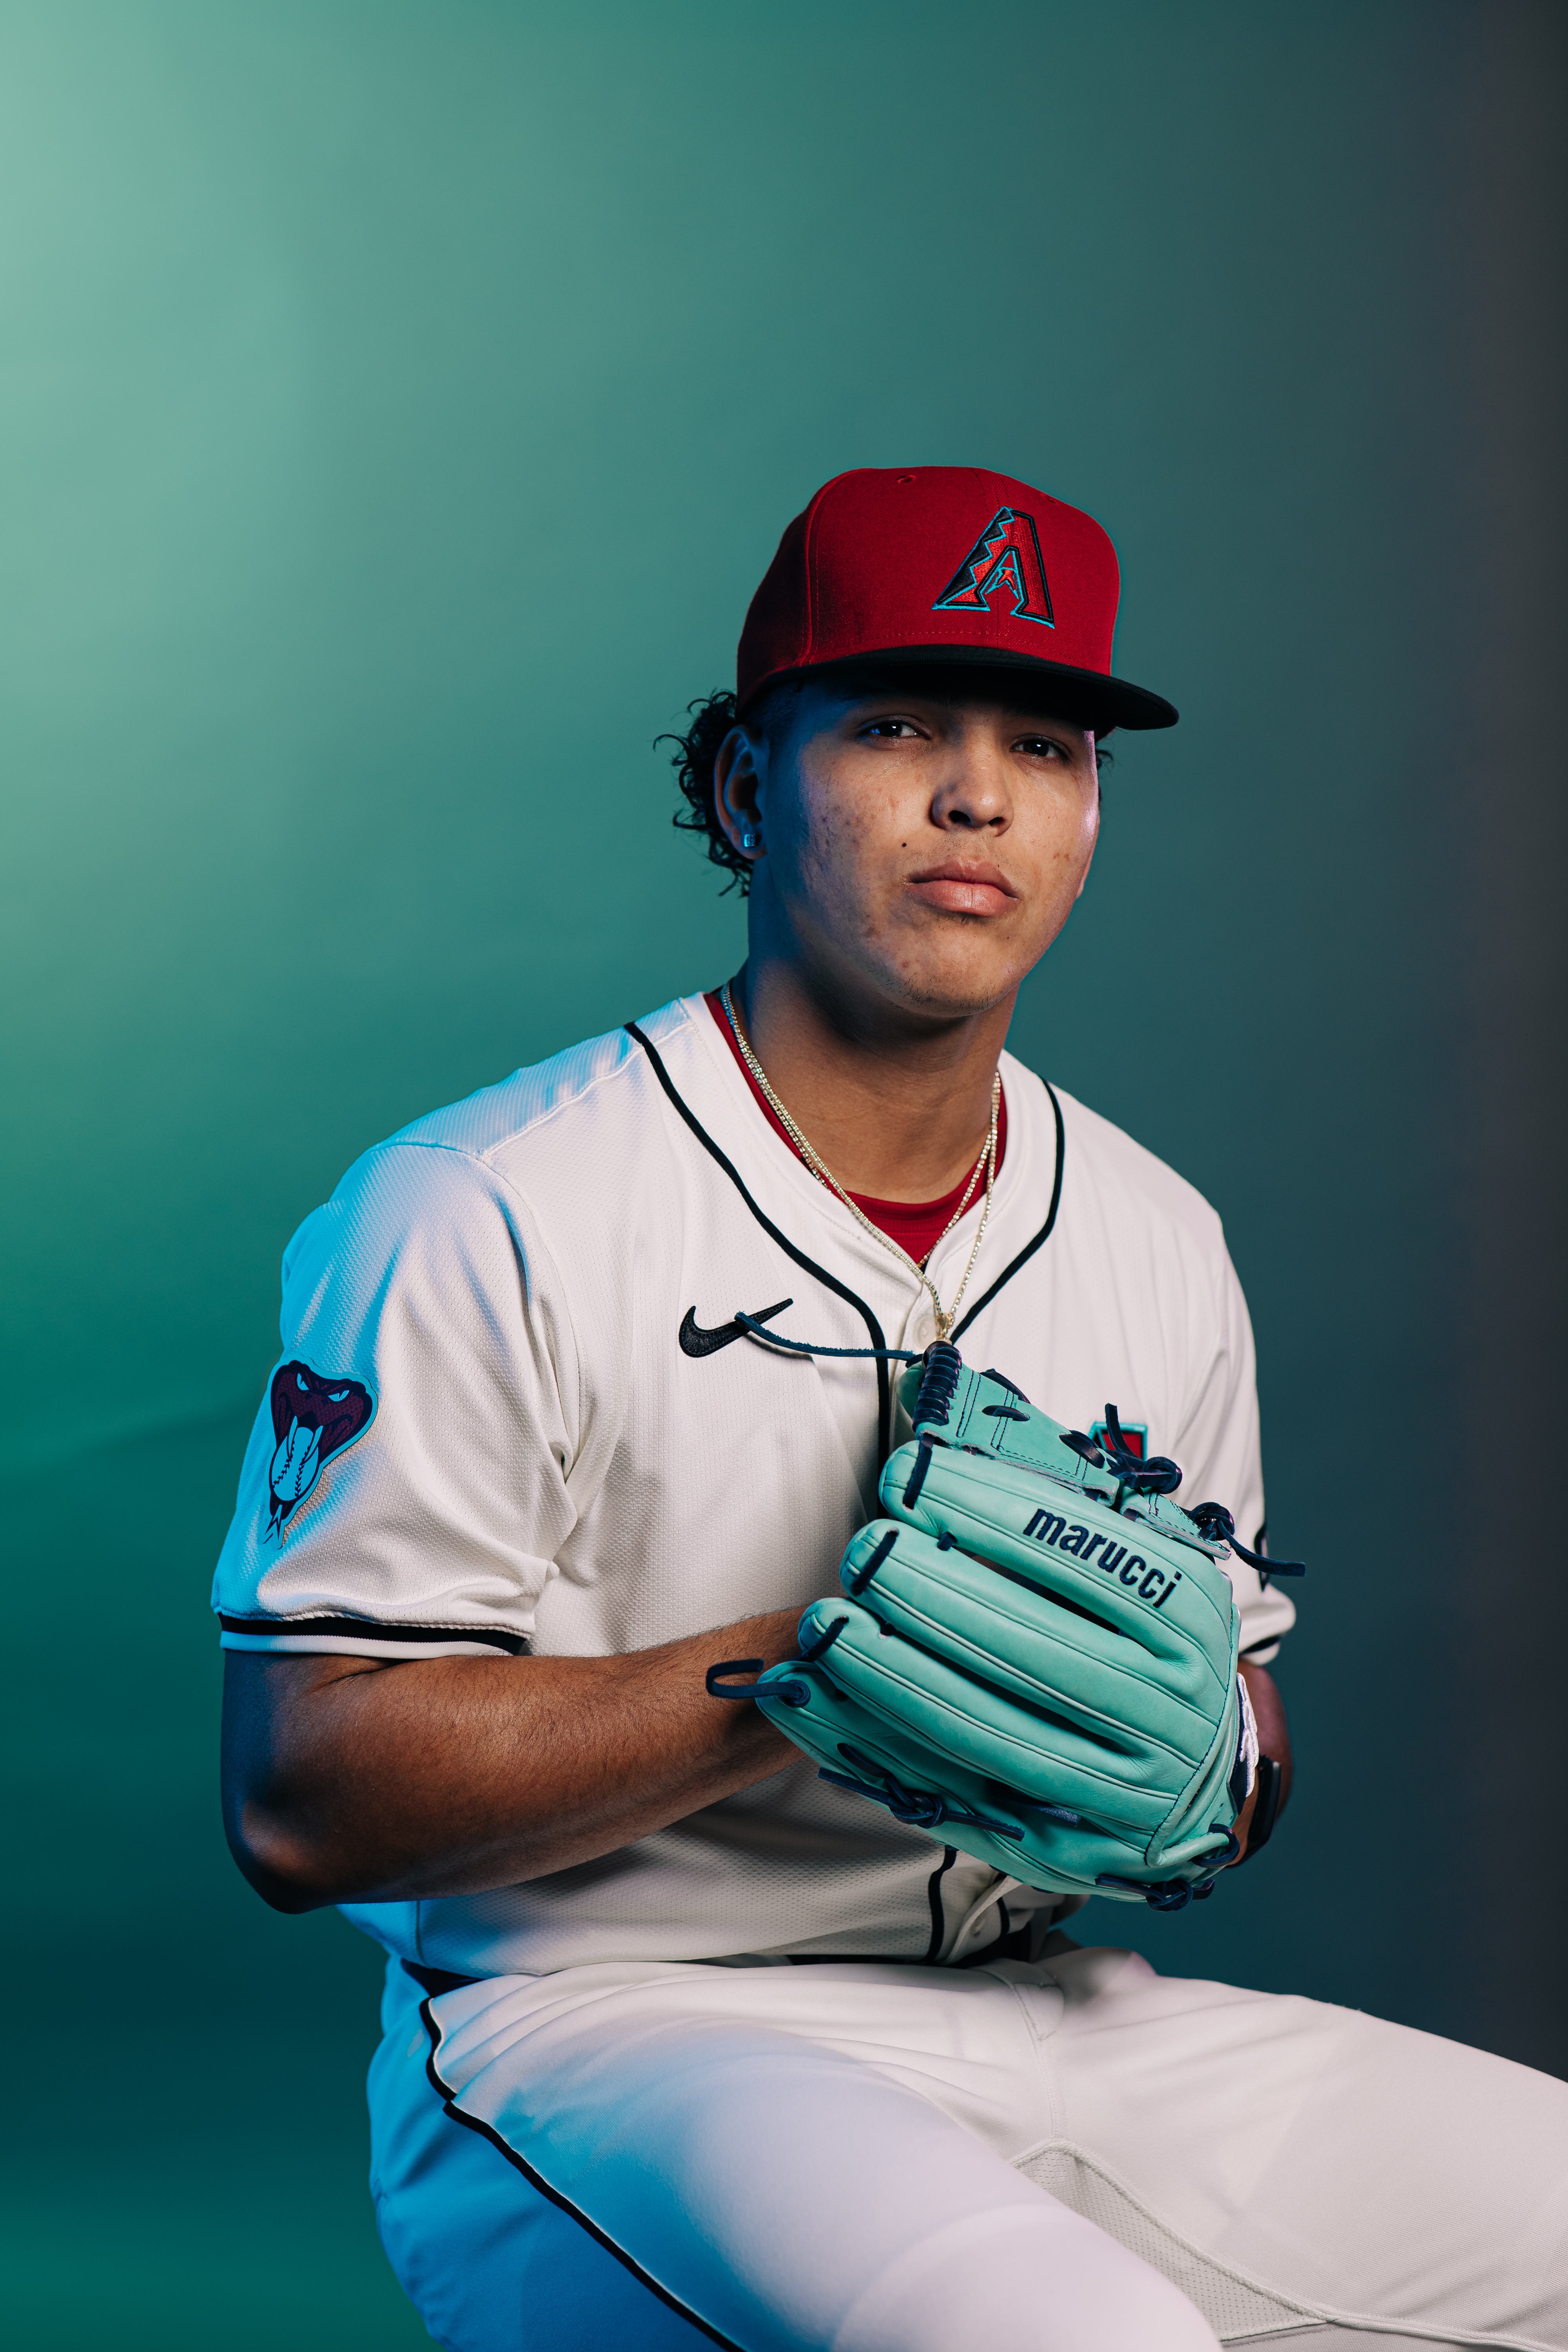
{"type": "Point", "coordinates": [1035, 1657]}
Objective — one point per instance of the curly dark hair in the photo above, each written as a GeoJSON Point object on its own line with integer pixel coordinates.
{"type": "Point", "coordinates": [713, 716]}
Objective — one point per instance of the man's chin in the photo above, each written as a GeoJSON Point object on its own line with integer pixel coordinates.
{"type": "Point", "coordinates": [950, 969]}
{"type": "Point", "coordinates": [939, 993]}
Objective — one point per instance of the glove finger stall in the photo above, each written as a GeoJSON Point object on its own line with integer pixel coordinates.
{"type": "Point", "coordinates": [886, 1761]}
{"type": "Point", "coordinates": [1169, 1594]}
{"type": "Point", "coordinates": [978, 1727]}
{"type": "Point", "coordinates": [890, 1764]}
{"type": "Point", "coordinates": [1047, 1657]}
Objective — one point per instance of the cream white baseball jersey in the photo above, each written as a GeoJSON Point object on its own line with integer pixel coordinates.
{"type": "Point", "coordinates": [514, 1412]}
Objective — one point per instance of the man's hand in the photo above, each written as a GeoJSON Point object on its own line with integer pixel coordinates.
{"type": "Point", "coordinates": [1273, 1740]}
{"type": "Point", "coordinates": [351, 1780]}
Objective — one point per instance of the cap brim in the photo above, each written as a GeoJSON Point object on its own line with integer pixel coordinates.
{"type": "Point", "coordinates": [1087, 696]}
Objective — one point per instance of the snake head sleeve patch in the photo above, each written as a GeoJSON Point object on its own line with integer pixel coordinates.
{"type": "Point", "coordinates": [313, 1417]}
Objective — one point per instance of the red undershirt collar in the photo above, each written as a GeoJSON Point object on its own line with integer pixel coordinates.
{"type": "Point", "coordinates": [916, 1225]}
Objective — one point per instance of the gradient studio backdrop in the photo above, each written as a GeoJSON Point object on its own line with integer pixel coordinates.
{"type": "Point", "coordinates": [398, 402]}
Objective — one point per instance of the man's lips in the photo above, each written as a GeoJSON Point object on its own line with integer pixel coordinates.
{"type": "Point", "coordinates": [959, 887]}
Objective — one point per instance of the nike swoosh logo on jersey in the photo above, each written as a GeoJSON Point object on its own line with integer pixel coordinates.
{"type": "Point", "coordinates": [695, 1340]}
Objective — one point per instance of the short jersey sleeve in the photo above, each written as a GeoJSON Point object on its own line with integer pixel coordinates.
{"type": "Point", "coordinates": [1218, 1448]}
{"type": "Point", "coordinates": [404, 1494]}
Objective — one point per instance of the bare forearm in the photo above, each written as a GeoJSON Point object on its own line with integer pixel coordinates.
{"type": "Point", "coordinates": [347, 1781]}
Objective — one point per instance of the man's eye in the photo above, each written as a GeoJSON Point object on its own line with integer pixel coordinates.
{"type": "Point", "coordinates": [891, 728]}
{"type": "Point", "coordinates": [1040, 747]}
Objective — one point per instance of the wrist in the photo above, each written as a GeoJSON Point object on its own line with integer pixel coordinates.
{"type": "Point", "coordinates": [1244, 1775]}
{"type": "Point", "coordinates": [1262, 1810]}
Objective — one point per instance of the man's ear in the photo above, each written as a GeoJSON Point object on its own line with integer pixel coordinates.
{"type": "Point", "coordinates": [740, 775]}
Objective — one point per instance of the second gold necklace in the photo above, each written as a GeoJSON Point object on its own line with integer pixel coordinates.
{"type": "Point", "coordinates": [946, 1316]}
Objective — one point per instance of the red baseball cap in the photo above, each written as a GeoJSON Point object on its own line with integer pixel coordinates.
{"type": "Point", "coordinates": [946, 563]}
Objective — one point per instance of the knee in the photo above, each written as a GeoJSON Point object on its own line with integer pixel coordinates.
{"type": "Point", "coordinates": [1035, 2274]}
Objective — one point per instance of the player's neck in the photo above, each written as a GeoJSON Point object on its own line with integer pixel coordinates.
{"type": "Point", "coordinates": [898, 1104]}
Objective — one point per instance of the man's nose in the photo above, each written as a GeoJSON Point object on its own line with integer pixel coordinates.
{"type": "Point", "coordinates": [976, 794]}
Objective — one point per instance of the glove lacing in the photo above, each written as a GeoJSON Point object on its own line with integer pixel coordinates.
{"type": "Point", "coordinates": [926, 1809]}
{"type": "Point", "coordinates": [1216, 1525]}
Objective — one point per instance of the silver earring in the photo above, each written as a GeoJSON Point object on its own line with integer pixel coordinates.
{"type": "Point", "coordinates": [748, 839]}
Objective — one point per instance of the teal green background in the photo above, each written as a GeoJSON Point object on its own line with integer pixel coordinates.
{"type": "Point", "coordinates": [398, 404]}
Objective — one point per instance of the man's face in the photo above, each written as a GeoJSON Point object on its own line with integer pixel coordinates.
{"type": "Point", "coordinates": [921, 848]}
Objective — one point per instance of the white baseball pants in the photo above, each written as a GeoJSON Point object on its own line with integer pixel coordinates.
{"type": "Point", "coordinates": [1072, 2156]}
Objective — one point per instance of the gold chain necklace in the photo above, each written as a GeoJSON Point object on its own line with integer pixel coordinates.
{"type": "Point", "coordinates": [944, 1315]}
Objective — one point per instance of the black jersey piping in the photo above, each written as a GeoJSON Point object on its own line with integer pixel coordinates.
{"type": "Point", "coordinates": [574, 2212]}
{"type": "Point", "coordinates": [933, 1897]}
{"type": "Point", "coordinates": [1027, 1252]}
{"type": "Point", "coordinates": [809, 1265]}
{"type": "Point", "coordinates": [366, 1628]}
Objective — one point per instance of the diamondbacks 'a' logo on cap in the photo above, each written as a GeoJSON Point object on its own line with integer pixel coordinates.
{"type": "Point", "coordinates": [1005, 562]}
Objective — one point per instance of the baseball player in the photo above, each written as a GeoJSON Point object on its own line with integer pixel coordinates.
{"type": "Point", "coordinates": [759, 1517]}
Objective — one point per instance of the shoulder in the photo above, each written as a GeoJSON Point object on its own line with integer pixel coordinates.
{"type": "Point", "coordinates": [569, 1120]}
{"type": "Point", "coordinates": [1115, 1162]}
{"type": "Point", "coordinates": [603, 1076]}
{"type": "Point", "coordinates": [1111, 1186]}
